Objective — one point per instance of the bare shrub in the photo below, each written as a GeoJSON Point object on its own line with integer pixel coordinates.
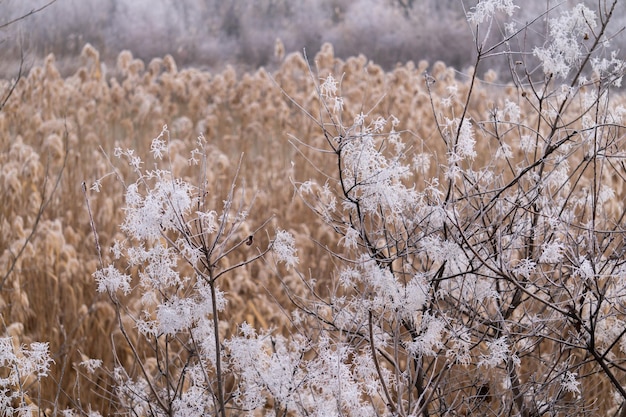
{"type": "Point", "coordinates": [490, 285]}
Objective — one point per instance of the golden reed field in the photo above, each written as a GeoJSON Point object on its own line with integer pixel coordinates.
{"type": "Point", "coordinates": [58, 132]}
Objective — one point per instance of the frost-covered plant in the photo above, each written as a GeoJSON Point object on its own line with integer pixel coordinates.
{"type": "Point", "coordinates": [491, 285]}
{"type": "Point", "coordinates": [21, 371]}
{"type": "Point", "coordinates": [564, 50]}
{"type": "Point", "coordinates": [176, 253]}
{"type": "Point", "coordinates": [178, 248]}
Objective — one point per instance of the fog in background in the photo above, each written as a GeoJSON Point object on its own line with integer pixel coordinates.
{"type": "Point", "coordinates": [211, 34]}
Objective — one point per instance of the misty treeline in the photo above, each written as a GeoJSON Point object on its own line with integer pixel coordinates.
{"type": "Point", "coordinates": [211, 34]}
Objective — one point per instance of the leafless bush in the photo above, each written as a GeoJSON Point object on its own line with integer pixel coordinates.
{"type": "Point", "coordinates": [494, 285]}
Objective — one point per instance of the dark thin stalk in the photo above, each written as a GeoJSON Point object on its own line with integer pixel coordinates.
{"type": "Point", "coordinates": [218, 351]}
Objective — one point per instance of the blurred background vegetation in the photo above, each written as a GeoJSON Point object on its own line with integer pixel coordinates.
{"type": "Point", "coordinates": [211, 34]}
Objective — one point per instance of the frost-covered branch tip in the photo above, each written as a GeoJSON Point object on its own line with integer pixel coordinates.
{"type": "Point", "coordinates": [285, 248]}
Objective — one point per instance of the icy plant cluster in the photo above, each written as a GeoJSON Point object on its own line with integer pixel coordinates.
{"type": "Point", "coordinates": [564, 51]}
{"type": "Point", "coordinates": [22, 368]}
{"type": "Point", "coordinates": [173, 260]}
{"type": "Point", "coordinates": [483, 261]}
{"type": "Point", "coordinates": [176, 245]}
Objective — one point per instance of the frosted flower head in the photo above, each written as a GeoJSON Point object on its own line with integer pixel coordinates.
{"type": "Point", "coordinates": [569, 382]}
{"type": "Point", "coordinates": [565, 50]}
{"type": "Point", "coordinates": [359, 119]}
{"type": "Point", "coordinates": [158, 146]}
{"type": "Point", "coordinates": [157, 209]}
{"type": "Point", "coordinates": [306, 187]}
{"type": "Point", "coordinates": [421, 162]}
{"type": "Point", "coordinates": [498, 353]}
{"type": "Point", "coordinates": [285, 248]}
{"type": "Point", "coordinates": [351, 239]}
{"type": "Point", "coordinates": [338, 104]}
{"type": "Point", "coordinates": [209, 220]}
{"type": "Point", "coordinates": [135, 162]}
{"type": "Point", "coordinates": [379, 124]}
{"type": "Point", "coordinates": [485, 10]}
{"type": "Point", "coordinates": [527, 143]}
{"type": "Point", "coordinates": [430, 337]}
{"type": "Point", "coordinates": [504, 151]}
{"type": "Point", "coordinates": [466, 140]}
{"type": "Point", "coordinates": [111, 280]}
{"type": "Point", "coordinates": [584, 269]}
{"type": "Point", "coordinates": [329, 86]}
{"type": "Point", "coordinates": [91, 365]}
{"type": "Point", "coordinates": [525, 267]}
{"type": "Point", "coordinates": [39, 358]}
{"type": "Point", "coordinates": [512, 111]}
{"type": "Point", "coordinates": [175, 315]}
{"type": "Point", "coordinates": [21, 361]}
{"type": "Point", "coordinates": [552, 252]}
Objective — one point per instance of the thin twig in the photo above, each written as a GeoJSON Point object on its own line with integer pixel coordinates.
{"type": "Point", "coordinates": [24, 16]}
